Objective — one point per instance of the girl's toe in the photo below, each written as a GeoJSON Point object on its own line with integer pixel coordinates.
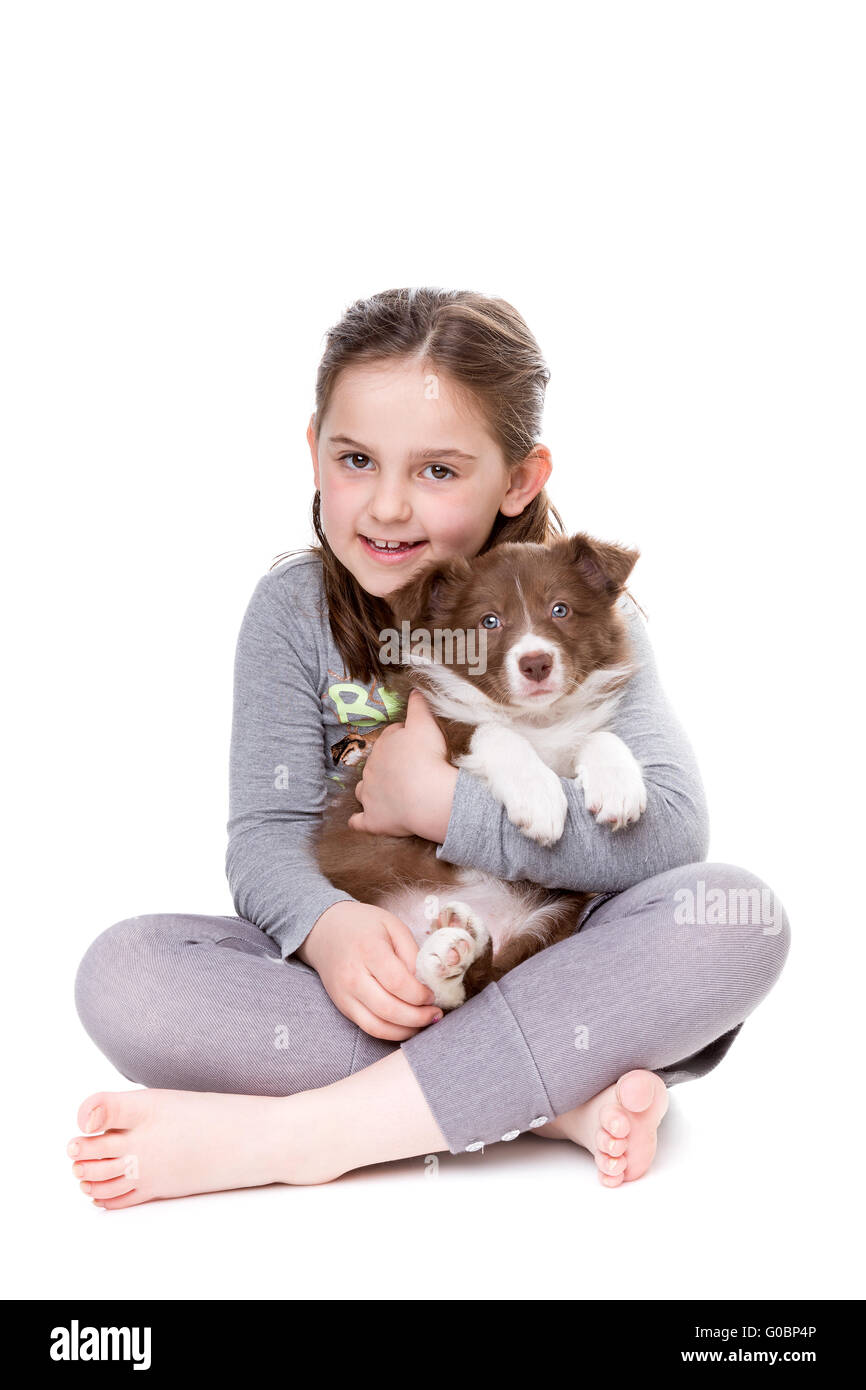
{"type": "Point", "coordinates": [615, 1121]}
{"type": "Point", "coordinates": [106, 1110]}
{"type": "Point", "coordinates": [131, 1199]}
{"type": "Point", "coordinates": [605, 1144]}
{"type": "Point", "coordinates": [89, 1147]}
{"type": "Point", "coordinates": [636, 1090]}
{"type": "Point", "coordinates": [92, 1113]}
{"type": "Point", "coordinates": [100, 1170]}
{"type": "Point", "coordinates": [611, 1167]}
{"type": "Point", "coordinates": [117, 1187]}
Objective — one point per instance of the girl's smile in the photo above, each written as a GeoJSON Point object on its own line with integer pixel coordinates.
{"type": "Point", "coordinates": [390, 552]}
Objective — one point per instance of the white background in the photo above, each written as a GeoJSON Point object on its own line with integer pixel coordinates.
{"type": "Point", "coordinates": [672, 195]}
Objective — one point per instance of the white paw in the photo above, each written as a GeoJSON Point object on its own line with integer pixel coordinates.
{"type": "Point", "coordinates": [538, 806]}
{"type": "Point", "coordinates": [455, 913]}
{"type": "Point", "coordinates": [614, 793]}
{"type": "Point", "coordinates": [442, 962]}
{"type": "Point", "coordinates": [448, 952]}
{"type": "Point", "coordinates": [530, 791]}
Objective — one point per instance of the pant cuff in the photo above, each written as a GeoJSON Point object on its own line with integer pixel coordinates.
{"type": "Point", "coordinates": [478, 1075]}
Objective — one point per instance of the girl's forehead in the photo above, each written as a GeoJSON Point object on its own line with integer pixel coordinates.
{"type": "Point", "coordinates": [373, 403]}
{"type": "Point", "coordinates": [400, 378]}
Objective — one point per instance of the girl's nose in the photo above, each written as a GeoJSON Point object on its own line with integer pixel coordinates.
{"type": "Point", "coordinates": [389, 505]}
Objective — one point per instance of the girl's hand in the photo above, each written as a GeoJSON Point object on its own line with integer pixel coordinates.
{"type": "Point", "coordinates": [407, 785]}
{"type": "Point", "coordinates": [365, 957]}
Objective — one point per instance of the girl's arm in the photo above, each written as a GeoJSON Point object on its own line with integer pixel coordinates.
{"type": "Point", "coordinates": [277, 777]}
{"type": "Point", "coordinates": [673, 830]}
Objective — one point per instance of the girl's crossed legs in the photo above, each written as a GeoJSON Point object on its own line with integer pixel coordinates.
{"type": "Point", "coordinates": [571, 1044]}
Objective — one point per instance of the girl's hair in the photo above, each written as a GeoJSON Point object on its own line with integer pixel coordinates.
{"type": "Point", "coordinates": [484, 346]}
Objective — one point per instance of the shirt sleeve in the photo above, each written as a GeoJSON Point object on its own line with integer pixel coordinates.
{"type": "Point", "coordinates": [277, 777]}
{"type": "Point", "coordinates": [673, 830]}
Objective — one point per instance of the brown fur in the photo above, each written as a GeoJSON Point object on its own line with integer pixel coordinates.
{"type": "Point", "coordinates": [588, 576]}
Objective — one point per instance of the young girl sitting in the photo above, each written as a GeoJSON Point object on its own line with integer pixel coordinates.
{"type": "Point", "coordinates": [291, 1043]}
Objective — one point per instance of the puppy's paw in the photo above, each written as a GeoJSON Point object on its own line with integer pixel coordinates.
{"type": "Point", "coordinates": [614, 793]}
{"type": "Point", "coordinates": [538, 806]}
{"type": "Point", "coordinates": [448, 952]}
{"type": "Point", "coordinates": [442, 962]}
{"type": "Point", "coordinates": [459, 914]}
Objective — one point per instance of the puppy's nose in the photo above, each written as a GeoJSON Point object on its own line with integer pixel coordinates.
{"type": "Point", "coordinates": [536, 666]}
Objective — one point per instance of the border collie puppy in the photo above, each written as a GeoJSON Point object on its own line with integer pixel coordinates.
{"type": "Point", "coordinates": [522, 655]}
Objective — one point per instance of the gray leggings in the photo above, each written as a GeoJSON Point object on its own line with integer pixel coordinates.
{"type": "Point", "coordinates": [660, 976]}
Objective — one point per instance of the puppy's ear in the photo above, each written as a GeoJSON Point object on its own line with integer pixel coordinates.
{"type": "Point", "coordinates": [603, 568]}
{"type": "Point", "coordinates": [425, 596]}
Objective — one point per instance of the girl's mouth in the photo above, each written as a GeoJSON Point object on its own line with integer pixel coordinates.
{"type": "Point", "coordinates": [389, 556]}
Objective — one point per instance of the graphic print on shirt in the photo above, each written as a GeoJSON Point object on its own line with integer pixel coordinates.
{"type": "Point", "coordinates": [366, 710]}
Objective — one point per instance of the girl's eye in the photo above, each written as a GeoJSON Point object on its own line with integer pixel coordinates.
{"type": "Point", "coordinates": [443, 466]}
{"type": "Point", "coordinates": [489, 621]}
{"type": "Point", "coordinates": [560, 610]}
{"type": "Point", "coordinates": [353, 457]}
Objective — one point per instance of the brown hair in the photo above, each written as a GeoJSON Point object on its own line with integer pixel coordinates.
{"type": "Point", "coordinates": [485, 347]}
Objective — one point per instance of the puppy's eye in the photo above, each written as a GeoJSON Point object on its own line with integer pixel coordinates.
{"type": "Point", "coordinates": [489, 621]}
{"type": "Point", "coordinates": [560, 610]}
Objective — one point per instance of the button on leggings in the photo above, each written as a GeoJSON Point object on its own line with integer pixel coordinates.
{"type": "Point", "coordinates": [661, 975]}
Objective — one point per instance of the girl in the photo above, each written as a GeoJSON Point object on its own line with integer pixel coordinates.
{"type": "Point", "coordinates": [292, 1042]}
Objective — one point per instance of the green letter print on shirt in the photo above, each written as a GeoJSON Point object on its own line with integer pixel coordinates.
{"type": "Point", "coordinates": [351, 702]}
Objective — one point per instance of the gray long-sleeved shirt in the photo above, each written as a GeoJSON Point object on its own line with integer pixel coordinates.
{"type": "Point", "coordinates": [293, 700]}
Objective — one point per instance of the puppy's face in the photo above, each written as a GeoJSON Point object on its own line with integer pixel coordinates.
{"type": "Point", "coordinates": [541, 617]}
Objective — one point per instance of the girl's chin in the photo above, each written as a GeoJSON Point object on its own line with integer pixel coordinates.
{"type": "Point", "coordinates": [379, 582]}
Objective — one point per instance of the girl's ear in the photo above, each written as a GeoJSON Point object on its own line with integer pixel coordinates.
{"type": "Point", "coordinates": [426, 595]}
{"type": "Point", "coordinates": [603, 568]}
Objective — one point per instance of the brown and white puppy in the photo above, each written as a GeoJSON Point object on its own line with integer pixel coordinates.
{"type": "Point", "coordinates": [522, 655]}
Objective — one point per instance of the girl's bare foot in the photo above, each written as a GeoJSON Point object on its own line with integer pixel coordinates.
{"type": "Point", "coordinates": [618, 1126]}
{"type": "Point", "coordinates": [173, 1143]}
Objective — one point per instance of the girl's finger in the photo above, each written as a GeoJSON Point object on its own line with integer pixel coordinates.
{"type": "Point", "coordinates": [377, 1027]}
{"type": "Point", "coordinates": [395, 976]}
{"type": "Point", "coordinates": [404, 943]}
{"type": "Point", "coordinates": [388, 1007]}
{"type": "Point", "coordinates": [417, 708]}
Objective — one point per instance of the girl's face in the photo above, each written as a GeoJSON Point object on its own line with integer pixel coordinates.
{"type": "Point", "coordinates": [402, 456]}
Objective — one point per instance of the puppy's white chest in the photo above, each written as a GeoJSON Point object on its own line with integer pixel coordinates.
{"type": "Point", "coordinates": [559, 743]}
